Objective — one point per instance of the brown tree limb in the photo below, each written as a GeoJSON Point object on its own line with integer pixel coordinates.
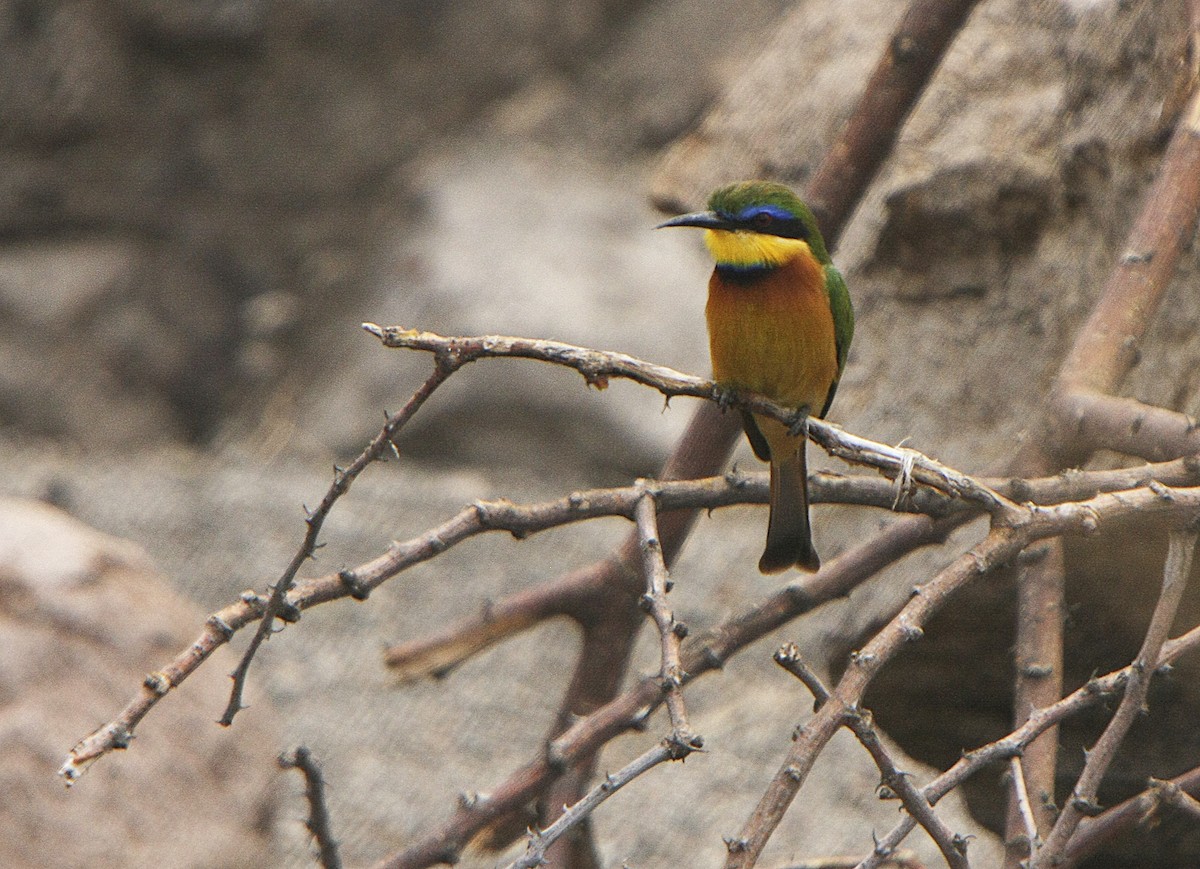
{"type": "Point", "coordinates": [343, 478]}
{"type": "Point", "coordinates": [858, 720]}
{"type": "Point", "coordinates": [1040, 721]}
{"type": "Point", "coordinates": [318, 822]}
{"type": "Point", "coordinates": [998, 549]}
{"type": "Point", "coordinates": [1083, 797]}
{"type": "Point", "coordinates": [913, 53]}
{"type": "Point", "coordinates": [1083, 416]}
{"type": "Point", "coordinates": [1093, 833]}
{"type": "Point", "coordinates": [1095, 421]}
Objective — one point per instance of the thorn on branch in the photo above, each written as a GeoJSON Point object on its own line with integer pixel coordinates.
{"type": "Point", "coordinates": [289, 612]}
{"type": "Point", "coordinates": [253, 599]}
{"type": "Point", "coordinates": [1087, 808]}
{"type": "Point", "coordinates": [220, 625]}
{"type": "Point", "coordinates": [734, 844]}
{"type": "Point", "coordinates": [158, 683]}
{"type": "Point", "coordinates": [358, 590]}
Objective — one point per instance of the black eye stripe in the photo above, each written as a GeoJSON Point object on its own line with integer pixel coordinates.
{"type": "Point", "coordinates": [782, 227]}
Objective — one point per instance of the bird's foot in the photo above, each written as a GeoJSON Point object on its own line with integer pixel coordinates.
{"type": "Point", "coordinates": [725, 397]}
{"type": "Point", "coordinates": [798, 425]}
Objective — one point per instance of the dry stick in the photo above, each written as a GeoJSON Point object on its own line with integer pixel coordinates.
{"type": "Point", "coordinates": [1082, 417]}
{"type": "Point", "coordinates": [1021, 796]}
{"type": "Point", "coordinates": [701, 655]}
{"type": "Point", "coordinates": [1083, 798]}
{"type": "Point", "coordinates": [575, 590]}
{"type": "Point", "coordinates": [708, 652]}
{"type": "Point", "coordinates": [318, 822]}
{"type": "Point", "coordinates": [539, 842]}
{"type": "Point", "coordinates": [952, 846]}
{"type": "Point", "coordinates": [1015, 743]}
{"type": "Point", "coordinates": [1002, 544]}
{"type": "Point", "coordinates": [444, 365]}
{"type": "Point", "coordinates": [671, 632]}
{"type": "Point", "coordinates": [599, 366]}
{"type": "Point", "coordinates": [1092, 833]}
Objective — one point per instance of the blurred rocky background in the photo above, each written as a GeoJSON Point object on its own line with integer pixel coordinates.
{"type": "Point", "coordinates": [200, 203]}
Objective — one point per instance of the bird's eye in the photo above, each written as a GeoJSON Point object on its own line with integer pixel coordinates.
{"type": "Point", "coordinates": [763, 219]}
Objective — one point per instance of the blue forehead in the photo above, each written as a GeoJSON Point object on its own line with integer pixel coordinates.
{"type": "Point", "coordinates": [752, 211]}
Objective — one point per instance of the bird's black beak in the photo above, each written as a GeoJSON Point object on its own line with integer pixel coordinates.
{"type": "Point", "coordinates": [701, 219]}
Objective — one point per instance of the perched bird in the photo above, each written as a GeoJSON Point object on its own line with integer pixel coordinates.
{"type": "Point", "coordinates": [780, 324]}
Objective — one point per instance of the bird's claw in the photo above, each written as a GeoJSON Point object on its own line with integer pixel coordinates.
{"type": "Point", "coordinates": [725, 396]}
{"type": "Point", "coordinates": [798, 427]}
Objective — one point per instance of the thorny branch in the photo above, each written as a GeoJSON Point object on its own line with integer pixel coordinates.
{"type": "Point", "coordinates": [1083, 798]}
{"type": "Point", "coordinates": [671, 632]}
{"type": "Point", "coordinates": [276, 605]}
{"type": "Point", "coordinates": [892, 779]}
{"type": "Point", "coordinates": [318, 812]}
{"type": "Point", "coordinates": [598, 367]}
{"type": "Point", "coordinates": [708, 652]}
{"type": "Point", "coordinates": [539, 841]}
{"type": "Point", "coordinates": [1038, 722]}
{"type": "Point", "coordinates": [997, 550]}
{"type": "Point", "coordinates": [288, 599]}
{"type": "Point", "coordinates": [1084, 415]}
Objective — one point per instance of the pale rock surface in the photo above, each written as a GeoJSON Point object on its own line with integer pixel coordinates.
{"type": "Point", "coordinates": [83, 617]}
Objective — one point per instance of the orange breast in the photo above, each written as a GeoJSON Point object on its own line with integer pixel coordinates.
{"type": "Point", "coordinates": [774, 334]}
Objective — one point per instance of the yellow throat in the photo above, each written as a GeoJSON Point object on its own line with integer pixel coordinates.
{"type": "Point", "coordinates": [743, 249]}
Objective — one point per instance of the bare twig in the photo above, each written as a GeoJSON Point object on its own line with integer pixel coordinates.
{"type": "Point", "coordinates": [539, 842]}
{"type": "Point", "coordinates": [1083, 797]}
{"type": "Point", "coordinates": [858, 720]}
{"type": "Point", "coordinates": [788, 656]}
{"type": "Point", "coordinates": [277, 605]}
{"type": "Point", "coordinates": [670, 632]}
{"type": "Point", "coordinates": [599, 366]}
{"type": "Point", "coordinates": [318, 822]}
{"type": "Point", "coordinates": [1092, 833]}
{"type": "Point", "coordinates": [997, 550]}
{"type": "Point", "coordinates": [1038, 722]}
{"type": "Point", "coordinates": [1021, 798]}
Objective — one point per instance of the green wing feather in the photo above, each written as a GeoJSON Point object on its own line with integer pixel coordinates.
{"type": "Point", "coordinates": [843, 324]}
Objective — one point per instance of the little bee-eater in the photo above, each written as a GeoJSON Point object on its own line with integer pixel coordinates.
{"type": "Point", "coordinates": [779, 324]}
